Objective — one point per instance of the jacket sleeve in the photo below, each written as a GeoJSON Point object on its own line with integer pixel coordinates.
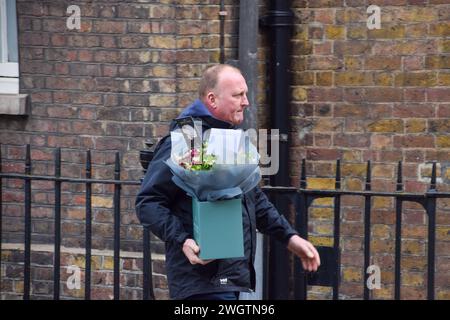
{"type": "Point", "coordinates": [155, 195]}
{"type": "Point", "coordinates": [269, 220]}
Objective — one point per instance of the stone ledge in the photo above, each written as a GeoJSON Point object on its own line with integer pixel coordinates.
{"type": "Point", "coordinates": [81, 251]}
{"type": "Point", "coordinates": [14, 104]}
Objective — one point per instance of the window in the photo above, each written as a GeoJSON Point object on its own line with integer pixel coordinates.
{"type": "Point", "coordinates": [9, 57]}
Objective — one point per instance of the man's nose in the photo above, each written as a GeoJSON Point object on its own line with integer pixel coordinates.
{"type": "Point", "coordinates": [245, 102]}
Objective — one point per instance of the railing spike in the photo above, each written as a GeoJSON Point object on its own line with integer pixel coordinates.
{"type": "Point", "coordinates": [58, 162]}
{"type": "Point", "coordinates": [88, 160]}
{"type": "Point", "coordinates": [303, 183]}
{"type": "Point", "coordinates": [399, 177]}
{"type": "Point", "coordinates": [433, 178]}
{"type": "Point", "coordinates": [117, 164]}
{"type": "Point", "coordinates": [28, 160]}
{"type": "Point", "coordinates": [368, 176]}
{"type": "Point", "coordinates": [338, 174]}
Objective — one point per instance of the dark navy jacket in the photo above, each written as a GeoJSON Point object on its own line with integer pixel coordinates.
{"type": "Point", "coordinates": [167, 210]}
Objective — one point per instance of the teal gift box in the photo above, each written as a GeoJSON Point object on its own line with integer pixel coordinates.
{"type": "Point", "coordinates": [218, 228]}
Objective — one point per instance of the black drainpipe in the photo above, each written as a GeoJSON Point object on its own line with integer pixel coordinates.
{"type": "Point", "coordinates": [222, 15]}
{"type": "Point", "coordinates": [279, 22]}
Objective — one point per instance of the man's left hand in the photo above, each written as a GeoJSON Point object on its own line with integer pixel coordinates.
{"type": "Point", "coordinates": [305, 251]}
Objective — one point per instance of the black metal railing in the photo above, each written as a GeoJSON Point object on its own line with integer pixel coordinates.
{"type": "Point", "coordinates": [27, 177]}
{"type": "Point", "coordinates": [329, 273]}
{"type": "Point", "coordinates": [302, 198]}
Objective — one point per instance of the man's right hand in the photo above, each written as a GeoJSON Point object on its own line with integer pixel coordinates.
{"type": "Point", "coordinates": [191, 251]}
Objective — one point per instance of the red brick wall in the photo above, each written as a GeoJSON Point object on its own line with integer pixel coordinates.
{"type": "Point", "coordinates": [378, 95]}
{"type": "Point", "coordinates": [102, 275]}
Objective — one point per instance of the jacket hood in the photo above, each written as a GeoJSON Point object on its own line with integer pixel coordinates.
{"type": "Point", "coordinates": [198, 110]}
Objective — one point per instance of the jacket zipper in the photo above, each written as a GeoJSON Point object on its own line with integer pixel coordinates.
{"type": "Point", "coordinates": [252, 268]}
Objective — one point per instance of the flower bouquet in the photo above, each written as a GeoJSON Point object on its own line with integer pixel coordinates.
{"type": "Point", "coordinates": [216, 171]}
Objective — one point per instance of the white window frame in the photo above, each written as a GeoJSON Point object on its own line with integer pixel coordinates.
{"type": "Point", "coordinates": [9, 71]}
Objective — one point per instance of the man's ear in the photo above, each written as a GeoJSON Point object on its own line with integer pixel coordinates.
{"type": "Point", "coordinates": [211, 99]}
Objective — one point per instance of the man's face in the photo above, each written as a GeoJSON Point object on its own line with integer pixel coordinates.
{"type": "Point", "coordinates": [230, 97]}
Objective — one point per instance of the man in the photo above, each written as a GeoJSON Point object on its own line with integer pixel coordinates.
{"type": "Point", "coordinates": [167, 210]}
